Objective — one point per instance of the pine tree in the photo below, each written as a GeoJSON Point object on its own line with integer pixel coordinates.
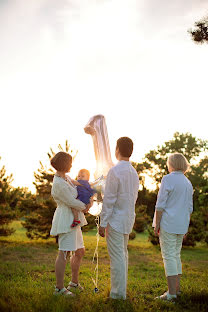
{"type": "Point", "coordinates": [8, 202]}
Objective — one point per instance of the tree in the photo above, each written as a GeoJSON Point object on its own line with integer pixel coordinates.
{"type": "Point", "coordinates": [146, 197]}
{"type": "Point", "coordinates": [141, 219]}
{"type": "Point", "coordinates": [191, 147]}
{"type": "Point", "coordinates": [39, 218]}
{"type": "Point", "coordinates": [198, 177]}
{"type": "Point", "coordinates": [196, 231]}
{"type": "Point", "coordinates": [200, 33]}
{"type": "Point", "coordinates": [8, 202]}
{"type": "Point", "coordinates": [39, 208]}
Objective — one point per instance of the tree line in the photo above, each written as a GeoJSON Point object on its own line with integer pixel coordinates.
{"type": "Point", "coordinates": [36, 210]}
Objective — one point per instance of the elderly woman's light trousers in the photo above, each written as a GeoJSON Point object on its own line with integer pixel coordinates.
{"type": "Point", "coordinates": [171, 245]}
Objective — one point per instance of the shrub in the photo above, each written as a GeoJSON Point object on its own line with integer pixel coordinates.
{"type": "Point", "coordinates": [38, 221]}
{"type": "Point", "coordinates": [91, 220]}
{"type": "Point", "coordinates": [132, 235]}
{"type": "Point", "coordinates": [196, 232]}
{"type": "Point", "coordinates": [142, 219]}
{"type": "Point", "coordinates": [152, 238]}
{"type": "Point", "coordinates": [206, 237]}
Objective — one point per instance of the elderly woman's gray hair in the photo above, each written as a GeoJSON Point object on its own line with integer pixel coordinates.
{"type": "Point", "coordinates": [178, 162]}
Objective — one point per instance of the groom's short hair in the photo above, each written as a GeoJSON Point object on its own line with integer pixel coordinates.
{"type": "Point", "coordinates": [125, 146]}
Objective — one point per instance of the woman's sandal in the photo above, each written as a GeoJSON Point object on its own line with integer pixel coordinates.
{"type": "Point", "coordinates": [74, 286]}
{"type": "Point", "coordinates": [63, 291]}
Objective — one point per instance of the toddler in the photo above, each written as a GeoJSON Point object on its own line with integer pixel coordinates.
{"type": "Point", "coordinates": [84, 190]}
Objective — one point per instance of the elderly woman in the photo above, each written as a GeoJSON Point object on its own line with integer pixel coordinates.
{"type": "Point", "coordinates": [171, 221]}
{"type": "Point", "coordinates": [69, 239]}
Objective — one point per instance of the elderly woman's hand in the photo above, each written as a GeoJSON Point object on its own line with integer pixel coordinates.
{"type": "Point", "coordinates": [157, 230]}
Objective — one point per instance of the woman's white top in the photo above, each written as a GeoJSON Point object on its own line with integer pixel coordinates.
{"type": "Point", "coordinates": [175, 199]}
{"type": "Point", "coordinates": [65, 194]}
{"type": "Point", "coordinates": [121, 191]}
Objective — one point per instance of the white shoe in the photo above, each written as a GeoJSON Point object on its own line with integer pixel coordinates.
{"type": "Point", "coordinates": [178, 293]}
{"type": "Point", "coordinates": [167, 297]}
{"type": "Point", "coordinates": [63, 291]}
{"type": "Point", "coordinates": [74, 286]}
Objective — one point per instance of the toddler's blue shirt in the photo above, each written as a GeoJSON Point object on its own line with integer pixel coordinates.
{"type": "Point", "coordinates": [84, 191]}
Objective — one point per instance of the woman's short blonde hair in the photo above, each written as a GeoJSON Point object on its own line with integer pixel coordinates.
{"type": "Point", "coordinates": [178, 162]}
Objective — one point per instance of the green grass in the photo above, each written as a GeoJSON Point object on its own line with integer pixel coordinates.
{"type": "Point", "coordinates": [27, 277]}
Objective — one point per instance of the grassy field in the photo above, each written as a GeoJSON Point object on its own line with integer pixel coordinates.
{"type": "Point", "coordinates": [27, 277]}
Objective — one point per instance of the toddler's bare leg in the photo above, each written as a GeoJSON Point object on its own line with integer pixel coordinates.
{"type": "Point", "coordinates": [75, 213]}
{"type": "Point", "coordinates": [76, 218]}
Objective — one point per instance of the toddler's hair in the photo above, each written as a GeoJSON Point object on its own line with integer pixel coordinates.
{"type": "Point", "coordinates": [178, 162]}
{"type": "Point", "coordinates": [86, 172]}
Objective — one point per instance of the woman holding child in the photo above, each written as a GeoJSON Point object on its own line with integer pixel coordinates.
{"type": "Point", "coordinates": [171, 221]}
{"type": "Point", "coordinates": [70, 238]}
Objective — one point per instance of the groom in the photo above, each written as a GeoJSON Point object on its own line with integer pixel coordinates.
{"type": "Point", "coordinates": [118, 215]}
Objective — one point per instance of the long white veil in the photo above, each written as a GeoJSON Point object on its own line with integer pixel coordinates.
{"type": "Point", "coordinates": [97, 128]}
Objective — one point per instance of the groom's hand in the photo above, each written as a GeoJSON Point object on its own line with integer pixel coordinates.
{"type": "Point", "coordinates": [102, 231]}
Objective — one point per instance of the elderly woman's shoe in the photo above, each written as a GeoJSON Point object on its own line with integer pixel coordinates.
{"type": "Point", "coordinates": [63, 292]}
{"type": "Point", "coordinates": [167, 297]}
{"type": "Point", "coordinates": [73, 286]}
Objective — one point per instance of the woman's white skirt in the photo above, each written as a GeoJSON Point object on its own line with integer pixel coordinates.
{"type": "Point", "coordinates": [72, 240]}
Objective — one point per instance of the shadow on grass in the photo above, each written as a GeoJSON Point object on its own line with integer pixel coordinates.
{"type": "Point", "coordinates": [193, 302]}
{"type": "Point", "coordinates": [195, 298]}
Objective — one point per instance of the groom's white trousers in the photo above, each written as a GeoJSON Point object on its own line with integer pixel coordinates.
{"type": "Point", "coordinates": [118, 252]}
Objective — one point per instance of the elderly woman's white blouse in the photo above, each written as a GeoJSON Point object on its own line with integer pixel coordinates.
{"type": "Point", "coordinates": [65, 196]}
{"type": "Point", "coordinates": [175, 199]}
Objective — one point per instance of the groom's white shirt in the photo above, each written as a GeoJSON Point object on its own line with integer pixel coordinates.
{"type": "Point", "coordinates": [120, 196]}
